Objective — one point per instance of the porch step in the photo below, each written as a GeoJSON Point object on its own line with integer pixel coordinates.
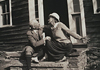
{"type": "Point", "coordinates": [16, 54]}
{"type": "Point", "coordinates": [17, 65]}
{"type": "Point", "coordinates": [75, 61]}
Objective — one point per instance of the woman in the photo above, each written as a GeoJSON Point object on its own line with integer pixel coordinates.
{"type": "Point", "coordinates": [60, 44]}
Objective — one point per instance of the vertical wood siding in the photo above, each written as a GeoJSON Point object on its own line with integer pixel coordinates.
{"type": "Point", "coordinates": [14, 38]}
{"type": "Point", "coordinates": [92, 24]}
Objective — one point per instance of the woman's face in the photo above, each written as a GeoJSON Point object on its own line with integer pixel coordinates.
{"type": "Point", "coordinates": [51, 21]}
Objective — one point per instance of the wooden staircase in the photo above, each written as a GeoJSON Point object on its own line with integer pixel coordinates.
{"type": "Point", "coordinates": [75, 61]}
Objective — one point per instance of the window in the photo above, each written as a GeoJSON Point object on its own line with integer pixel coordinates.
{"type": "Point", "coordinates": [96, 6]}
{"type": "Point", "coordinates": [5, 13]}
{"type": "Point", "coordinates": [36, 10]}
{"type": "Point", "coordinates": [76, 18]}
{"type": "Point", "coordinates": [76, 6]}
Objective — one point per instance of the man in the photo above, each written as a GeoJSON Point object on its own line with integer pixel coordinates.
{"type": "Point", "coordinates": [36, 43]}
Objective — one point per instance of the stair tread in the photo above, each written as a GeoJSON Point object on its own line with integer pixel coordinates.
{"type": "Point", "coordinates": [18, 53]}
{"type": "Point", "coordinates": [17, 63]}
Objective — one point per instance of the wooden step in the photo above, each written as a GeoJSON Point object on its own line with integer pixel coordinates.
{"type": "Point", "coordinates": [17, 65]}
{"type": "Point", "coordinates": [17, 53]}
{"type": "Point", "coordinates": [79, 45]}
{"type": "Point", "coordinates": [73, 62]}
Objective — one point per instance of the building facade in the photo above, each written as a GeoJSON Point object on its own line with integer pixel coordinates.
{"type": "Point", "coordinates": [81, 16]}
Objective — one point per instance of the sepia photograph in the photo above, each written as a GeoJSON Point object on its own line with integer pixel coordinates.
{"type": "Point", "coordinates": [49, 35]}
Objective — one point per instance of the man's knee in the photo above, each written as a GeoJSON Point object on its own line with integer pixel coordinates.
{"type": "Point", "coordinates": [29, 50]}
{"type": "Point", "coordinates": [28, 53]}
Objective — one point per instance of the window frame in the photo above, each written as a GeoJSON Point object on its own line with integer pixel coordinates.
{"type": "Point", "coordinates": [32, 13]}
{"type": "Point", "coordinates": [10, 15]}
{"type": "Point", "coordinates": [72, 24]}
{"type": "Point", "coordinates": [95, 7]}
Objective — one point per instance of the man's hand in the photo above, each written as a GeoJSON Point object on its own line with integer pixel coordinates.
{"type": "Point", "coordinates": [48, 38]}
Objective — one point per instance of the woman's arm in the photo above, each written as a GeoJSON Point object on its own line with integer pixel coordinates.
{"type": "Point", "coordinates": [66, 29]}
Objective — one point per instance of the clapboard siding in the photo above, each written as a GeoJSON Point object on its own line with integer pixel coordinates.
{"type": "Point", "coordinates": [92, 24]}
{"type": "Point", "coordinates": [14, 37]}
{"type": "Point", "coordinates": [20, 11]}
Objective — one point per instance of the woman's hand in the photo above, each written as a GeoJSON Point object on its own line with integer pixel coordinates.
{"type": "Point", "coordinates": [41, 26]}
{"type": "Point", "coordinates": [85, 39]}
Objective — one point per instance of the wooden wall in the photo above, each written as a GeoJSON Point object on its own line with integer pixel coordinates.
{"type": "Point", "coordinates": [92, 24]}
{"type": "Point", "coordinates": [14, 37]}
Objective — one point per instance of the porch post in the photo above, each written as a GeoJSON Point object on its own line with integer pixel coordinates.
{"type": "Point", "coordinates": [41, 12]}
{"type": "Point", "coordinates": [31, 4]}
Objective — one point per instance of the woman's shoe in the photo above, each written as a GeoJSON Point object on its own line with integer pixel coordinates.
{"type": "Point", "coordinates": [63, 59]}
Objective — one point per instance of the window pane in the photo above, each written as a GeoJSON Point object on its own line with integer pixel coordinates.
{"type": "Point", "coordinates": [4, 19]}
{"type": "Point", "coordinates": [36, 9]}
{"type": "Point", "coordinates": [7, 3]}
{"type": "Point", "coordinates": [8, 19]}
{"type": "Point", "coordinates": [76, 5]}
{"type": "Point", "coordinates": [36, 2]}
{"type": "Point", "coordinates": [36, 14]}
{"type": "Point", "coordinates": [3, 7]}
{"type": "Point", "coordinates": [5, 12]}
{"type": "Point", "coordinates": [78, 25]}
{"type": "Point", "coordinates": [98, 3]}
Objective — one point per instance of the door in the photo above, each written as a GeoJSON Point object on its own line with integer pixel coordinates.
{"type": "Point", "coordinates": [58, 6]}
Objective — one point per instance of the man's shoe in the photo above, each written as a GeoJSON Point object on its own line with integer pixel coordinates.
{"type": "Point", "coordinates": [35, 59]}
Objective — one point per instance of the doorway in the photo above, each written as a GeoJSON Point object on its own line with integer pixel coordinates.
{"type": "Point", "coordinates": [58, 6]}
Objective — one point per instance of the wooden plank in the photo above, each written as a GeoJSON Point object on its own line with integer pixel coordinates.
{"type": "Point", "coordinates": [93, 29]}
{"type": "Point", "coordinates": [23, 21]}
{"type": "Point", "coordinates": [15, 33]}
{"type": "Point", "coordinates": [20, 4]}
{"type": "Point", "coordinates": [13, 37]}
{"type": "Point", "coordinates": [25, 27]}
{"type": "Point", "coordinates": [16, 9]}
{"type": "Point", "coordinates": [17, 1]}
{"type": "Point", "coordinates": [22, 12]}
{"type": "Point", "coordinates": [46, 64]}
{"type": "Point", "coordinates": [21, 16]}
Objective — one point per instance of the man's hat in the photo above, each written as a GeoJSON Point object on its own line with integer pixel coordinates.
{"type": "Point", "coordinates": [55, 15]}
